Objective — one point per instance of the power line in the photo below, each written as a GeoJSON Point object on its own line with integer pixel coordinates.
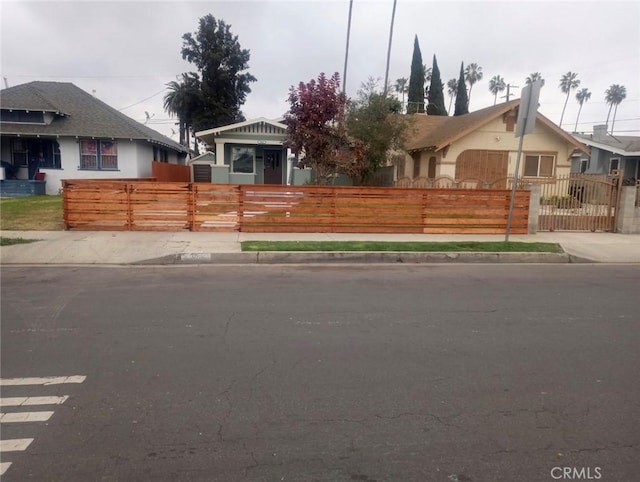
{"type": "Point", "coordinates": [141, 101]}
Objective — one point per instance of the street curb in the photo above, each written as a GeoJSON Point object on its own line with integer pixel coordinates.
{"type": "Point", "coordinates": [299, 257]}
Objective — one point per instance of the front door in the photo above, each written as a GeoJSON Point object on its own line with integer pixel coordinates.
{"type": "Point", "coordinates": [272, 167]}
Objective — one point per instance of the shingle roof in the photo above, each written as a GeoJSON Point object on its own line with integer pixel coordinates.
{"type": "Point", "coordinates": [624, 145]}
{"type": "Point", "coordinates": [437, 132]}
{"type": "Point", "coordinates": [79, 114]}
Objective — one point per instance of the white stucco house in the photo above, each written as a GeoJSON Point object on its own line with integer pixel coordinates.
{"type": "Point", "coordinates": [60, 131]}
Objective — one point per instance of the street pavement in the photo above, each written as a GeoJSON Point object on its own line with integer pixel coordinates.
{"type": "Point", "coordinates": [108, 247]}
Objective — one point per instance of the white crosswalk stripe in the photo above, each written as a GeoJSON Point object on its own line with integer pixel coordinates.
{"type": "Point", "coordinates": [4, 466]}
{"type": "Point", "coordinates": [19, 417]}
{"type": "Point", "coordinates": [24, 401]}
{"type": "Point", "coordinates": [15, 445]}
{"type": "Point", "coordinates": [7, 416]}
{"type": "Point", "coordinates": [5, 382]}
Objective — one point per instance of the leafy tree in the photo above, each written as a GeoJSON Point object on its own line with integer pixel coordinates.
{"type": "Point", "coordinates": [315, 124]}
{"type": "Point", "coordinates": [614, 96]}
{"type": "Point", "coordinates": [452, 88]}
{"type": "Point", "coordinates": [582, 96]}
{"type": "Point", "coordinates": [401, 88]}
{"type": "Point", "coordinates": [415, 101]}
{"type": "Point", "coordinates": [374, 131]}
{"type": "Point", "coordinates": [222, 64]}
{"type": "Point", "coordinates": [436, 92]}
{"type": "Point", "coordinates": [472, 74]}
{"type": "Point", "coordinates": [462, 101]}
{"type": "Point", "coordinates": [533, 77]}
{"type": "Point", "coordinates": [496, 85]}
{"type": "Point", "coordinates": [182, 100]}
{"type": "Point", "coordinates": [568, 82]}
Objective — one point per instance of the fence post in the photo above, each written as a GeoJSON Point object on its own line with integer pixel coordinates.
{"type": "Point", "coordinates": [626, 210]}
{"type": "Point", "coordinates": [128, 188]}
{"type": "Point", "coordinates": [240, 206]}
{"type": "Point", "coordinates": [191, 208]}
{"type": "Point", "coordinates": [534, 207]}
{"type": "Point", "coordinates": [65, 204]}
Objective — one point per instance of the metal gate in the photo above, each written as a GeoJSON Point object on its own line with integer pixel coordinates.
{"type": "Point", "coordinates": [580, 202]}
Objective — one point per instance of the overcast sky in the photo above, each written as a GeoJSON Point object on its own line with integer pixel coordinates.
{"type": "Point", "coordinates": [128, 51]}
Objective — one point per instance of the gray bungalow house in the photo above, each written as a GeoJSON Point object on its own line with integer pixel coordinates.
{"type": "Point", "coordinates": [51, 131]}
{"type": "Point", "coordinates": [249, 152]}
{"type": "Point", "coordinates": [608, 152]}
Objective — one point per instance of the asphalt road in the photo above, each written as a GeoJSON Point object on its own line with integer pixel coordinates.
{"type": "Point", "coordinates": [367, 373]}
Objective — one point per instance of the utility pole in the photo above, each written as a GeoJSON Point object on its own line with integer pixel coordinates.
{"type": "Point", "coordinates": [346, 53]}
{"type": "Point", "coordinates": [508, 91]}
{"type": "Point", "coordinates": [386, 74]}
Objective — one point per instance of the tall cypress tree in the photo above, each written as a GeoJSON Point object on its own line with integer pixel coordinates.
{"type": "Point", "coordinates": [436, 92]}
{"type": "Point", "coordinates": [415, 98]}
{"type": "Point", "coordinates": [462, 100]}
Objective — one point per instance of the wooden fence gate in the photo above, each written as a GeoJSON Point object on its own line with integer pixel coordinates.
{"type": "Point", "coordinates": [580, 202]}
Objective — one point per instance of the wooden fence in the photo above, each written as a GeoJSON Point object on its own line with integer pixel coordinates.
{"type": "Point", "coordinates": [165, 172]}
{"type": "Point", "coordinates": [135, 206]}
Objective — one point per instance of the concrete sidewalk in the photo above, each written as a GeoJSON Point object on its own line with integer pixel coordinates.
{"type": "Point", "coordinates": [107, 247]}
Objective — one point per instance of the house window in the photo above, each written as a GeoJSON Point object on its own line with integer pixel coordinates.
{"type": "Point", "coordinates": [613, 165]}
{"type": "Point", "coordinates": [416, 164]}
{"type": "Point", "coordinates": [584, 165]}
{"type": "Point", "coordinates": [538, 165]}
{"type": "Point", "coordinates": [24, 150]}
{"type": "Point", "coordinates": [21, 116]}
{"type": "Point", "coordinates": [98, 155]}
{"type": "Point", "coordinates": [160, 155]}
{"type": "Point", "coordinates": [243, 159]}
{"type": "Point", "coordinates": [19, 152]}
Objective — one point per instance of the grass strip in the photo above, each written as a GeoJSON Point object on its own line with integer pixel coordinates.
{"type": "Point", "coordinates": [404, 246]}
{"type": "Point", "coordinates": [11, 241]}
{"type": "Point", "coordinates": [32, 213]}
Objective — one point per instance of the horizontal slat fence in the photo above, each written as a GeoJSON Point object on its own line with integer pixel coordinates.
{"type": "Point", "coordinates": [165, 172]}
{"type": "Point", "coordinates": [267, 208]}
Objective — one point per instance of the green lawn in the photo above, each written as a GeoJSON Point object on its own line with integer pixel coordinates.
{"type": "Point", "coordinates": [11, 241]}
{"type": "Point", "coordinates": [41, 213]}
{"type": "Point", "coordinates": [453, 246]}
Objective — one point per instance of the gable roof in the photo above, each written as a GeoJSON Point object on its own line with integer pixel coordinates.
{"type": "Point", "coordinates": [78, 114]}
{"type": "Point", "coordinates": [240, 126]}
{"type": "Point", "coordinates": [622, 145]}
{"type": "Point", "coordinates": [437, 132]}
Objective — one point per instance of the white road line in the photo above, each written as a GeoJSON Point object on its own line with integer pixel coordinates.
{"type": "Point", "coordinates": [25, 417]}
{"type": "Point", "coordinates": [42, 380]}
{"type": "Point", "coordinates": [15, 445]}
{"type": "Point", "coordinates": [24, 401]}
{"type": "Point", "coordinates": [4, 466]}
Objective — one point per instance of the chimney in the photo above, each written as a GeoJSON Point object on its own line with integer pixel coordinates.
{"type": "Point", "coordinates": [600, 132]}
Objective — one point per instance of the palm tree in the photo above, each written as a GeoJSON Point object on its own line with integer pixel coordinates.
{"type": "Point", "coordinates": [614, 95]}
{"type": "Point", "coordinates": [401, 87]}
{"type": "Point", "coordinates": [496, 85]}
{"type": "Point", "coordinates": [568, 82]}
{"type": "Point", "coordinates": [182, 100]}
{"type": "Point", "coordinates": [472, 74]}
{"type": "Point", "coordinates": [427, 78]}
{"type": "Point", "coordinates": [533, 77]}
{"type": "Point", "coordinates": [452, 89]}
{"type": "Point", "coordinates": [582, 96]}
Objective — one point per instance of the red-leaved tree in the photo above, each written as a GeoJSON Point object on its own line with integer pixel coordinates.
{"type": "Point", "coordinates": [315, 124]}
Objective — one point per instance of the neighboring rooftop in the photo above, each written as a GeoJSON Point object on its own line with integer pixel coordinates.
{"type": "Point", "coordinates": [77, 112]}
{"type": "Point", "coordinates": [437, 132]}
{"type": "Point", "coordinates": [623, 145]}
